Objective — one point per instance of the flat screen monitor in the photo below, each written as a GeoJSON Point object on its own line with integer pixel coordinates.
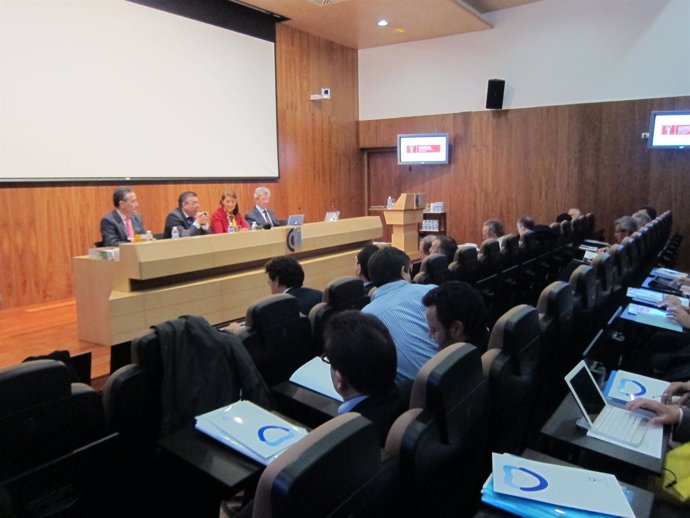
{"type": "Point", "coordinates": [428, 148]}
{"type": "Point", "coordinates": [670, 129]}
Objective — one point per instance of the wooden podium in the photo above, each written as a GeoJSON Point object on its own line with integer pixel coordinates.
{"type": "Point", "coordinates": [215, 276]}
{"type": "Point", "coordinates": [404, 218]}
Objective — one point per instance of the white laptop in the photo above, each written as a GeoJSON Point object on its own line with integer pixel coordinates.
{"type": "Point", "coordinates": [332, 215]}
{"type": "Point", "coordinates": [295, 219]}
{"type": "Point", "coordinates": [605, 421]}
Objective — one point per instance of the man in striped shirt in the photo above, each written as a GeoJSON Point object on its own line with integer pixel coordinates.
{"type": "Point", "coordinates": [398, 304]}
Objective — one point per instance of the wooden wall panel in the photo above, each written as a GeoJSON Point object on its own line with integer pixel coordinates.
{"type": "Point", "coordinates": [320, 164]}
{"type": "Point", "coordinates": [539, 161]}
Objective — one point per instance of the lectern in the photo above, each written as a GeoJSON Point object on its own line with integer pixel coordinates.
{"type": "Point", "coordinates": [404, 217]}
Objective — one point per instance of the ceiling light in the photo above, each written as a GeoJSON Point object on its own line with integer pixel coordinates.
{"type": "Point", "coordinates": [382, 22]}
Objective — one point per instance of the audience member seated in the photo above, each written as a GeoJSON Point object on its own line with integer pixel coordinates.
{"type": "Point", "coordinates": [641, 218]}
{"type": "Point", "coordinates": [361, 353]}
{"type": "Point", "coordinates": [362, 265]}
{"type": "Point", "coordinates": [669, 412]}
{"type": "Point", "coordinates": [574, 213]}
{"type": "Point", "coordinates": [524, 224]}
{"type": "Point", "coordinates": [285, 275]}
{"type": "Point", "coordinates": [120, 224]}
{"type": "Point", "coordinates": [651, 211]}
{"type": "Point", "coordinates": [227, 216]}
{"type": "Point", "coordinates": [624, 227]}
{"type": "Point", "coordinates": [260, 213]}
{"type": "Point", "coordinates": [445, 245]}
{"type": "Point", "coordinates": [398, 304]}
{"type": "Point", "coordinates": [493, 229]}
{"type": "Point", "coordinates": [456, 313]}
{"type": "Point", "coordinates": [563, 216]}
{"type": "Point", "coordinates": [187, 217]}
{"type": "Point", "coordinates": [424, 251]}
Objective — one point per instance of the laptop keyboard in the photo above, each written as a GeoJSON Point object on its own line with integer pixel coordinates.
{"type": "Point", "coordinates": [621, 425]}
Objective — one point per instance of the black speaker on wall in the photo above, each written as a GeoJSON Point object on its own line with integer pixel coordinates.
{"type": "Point", "coordinates": [494, 94]}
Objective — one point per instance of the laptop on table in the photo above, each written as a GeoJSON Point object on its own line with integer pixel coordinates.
{"type": "Point", "coordinates": [606, 422]}
{"type": "Point", "coordinates": [295, 219]}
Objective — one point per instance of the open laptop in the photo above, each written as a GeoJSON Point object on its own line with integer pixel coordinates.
{"type": "Point", "coordinates": [332, 215]}
{"type": "Point", "coordinates": [295, 219]}
{"type": "Point", "coordinates": [606, 422]}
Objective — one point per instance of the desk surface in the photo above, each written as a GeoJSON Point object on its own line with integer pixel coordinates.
{"type": "Point", "coordinates": [561, 427]}
{"type": "Point", "coordinates": [304, 405]}
{"type": "Point", "coordinates": [640, 500]}
{"type": "Point", "coordinates": [226, 466]}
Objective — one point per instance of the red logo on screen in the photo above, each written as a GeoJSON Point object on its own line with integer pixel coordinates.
{"type": "Point", "coordinates": [424, 148]}
{"type": "Point", "coordinates": [675, 129]}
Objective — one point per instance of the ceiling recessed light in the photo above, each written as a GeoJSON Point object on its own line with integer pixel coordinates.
{"type": "Point", "coordinates": [382, 22]}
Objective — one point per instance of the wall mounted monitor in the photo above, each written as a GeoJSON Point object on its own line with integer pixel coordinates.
{"type": "Point", "coordinates": [427, 148]}
{"type": "Point", "coordinates": [670, 129]}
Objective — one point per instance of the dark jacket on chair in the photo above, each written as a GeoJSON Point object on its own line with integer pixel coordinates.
{"type": "Point", "coordinates": [203, 369]}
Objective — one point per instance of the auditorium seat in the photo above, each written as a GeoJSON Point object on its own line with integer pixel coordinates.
{"type": "Point", "coordinates": [434, 270]}
{"type": "Point", "coordinates": [556, 320]}
{"type": "Point", "coordinates": [465, 266]}
{"type": "Point", "coordinates": [584, 283]}
{"type": "Point", "coordinates": [337, 470]}
{"type": "Point", "coordinates": [43, 415]}
{"type": "Point", "coordinates": [511, 366]}
{"type": "Point", "coordinates": [340, 294]}
{"type": "Point", "coordinates": [440, 441]}
{"type": "Point", "coordinates": [278, 339]}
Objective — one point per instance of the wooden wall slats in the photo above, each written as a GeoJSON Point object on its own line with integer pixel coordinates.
{"type": "Point", "coordinates": [539, 161]}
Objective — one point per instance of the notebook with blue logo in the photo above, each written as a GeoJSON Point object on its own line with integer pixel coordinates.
{"type": "Point", "coordinates": [624, 386]}
{"type": "Point", "coordinates": [534, 488]}
{"type": "Point", "coordinates": [251, 430]}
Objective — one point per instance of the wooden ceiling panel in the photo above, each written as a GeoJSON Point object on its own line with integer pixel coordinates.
{"type": "Point", "coordinates": [353, 23]}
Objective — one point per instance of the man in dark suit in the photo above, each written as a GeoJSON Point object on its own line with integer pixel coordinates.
{"type": "Point", "coordinates": [285, 275]}
{"type": "Point", "coordinates": [187, 217]}
{"type": "Point", "coordinates": [363, 363]}
{"type": "Point", "coordinates": [120, 225]}
{"type": "Point", "coordinates": [261, 214]}
{"type": "Point", "coordinates": [362, 265]}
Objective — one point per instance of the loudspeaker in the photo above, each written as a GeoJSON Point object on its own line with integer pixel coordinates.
{"type": "Point", "coordinates": [494, 94]}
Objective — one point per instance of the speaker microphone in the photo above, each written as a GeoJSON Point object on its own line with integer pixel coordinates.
{"type": "Point", "coordinates": [494, 94]}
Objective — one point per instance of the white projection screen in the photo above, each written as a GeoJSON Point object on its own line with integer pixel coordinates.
{"type": "Point", "coordinates": [113, 90]}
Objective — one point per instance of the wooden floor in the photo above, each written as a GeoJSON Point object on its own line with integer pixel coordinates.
{"type": "Point", "coordinates": [43, 328]}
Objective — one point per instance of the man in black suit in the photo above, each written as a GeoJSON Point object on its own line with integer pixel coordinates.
{"type": "Point", "coordinates": [261, 214]}
{"type": "Point", "coordinates": [363, 363]}
{"type": "Point", "coordinates": [285, 275]}
{"type": "Point", "coordinates": [187, 217]}
{"type": "Point", "coordinates": [362, 265]}
{"type": "Point", "coordinates": [120, 225]}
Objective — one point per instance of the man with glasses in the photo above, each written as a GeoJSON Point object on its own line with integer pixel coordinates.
{"type": "Point", "coordinates": [362, 357]}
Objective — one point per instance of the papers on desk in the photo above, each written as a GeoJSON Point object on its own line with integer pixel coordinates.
{"type": "Point", "coordinates": [251, 430]}
{"type": "Point", "coordinates": [651, 316]}
{"type": "Point", "coordinates": [651, 297]}
{"type": "Point", "coordinates": [533, 489]}
{"type": "Point", "coordinates": [624, 386]}
{"type": "Point", "coordinates": [668, 273]}
{"type": "Point", "coordinates": [316, 375]}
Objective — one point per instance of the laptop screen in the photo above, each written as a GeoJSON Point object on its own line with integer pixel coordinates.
{"type": "Point", "coordinates": [295, 219]}
{"type": "Point", "coordinates": [585, 390]}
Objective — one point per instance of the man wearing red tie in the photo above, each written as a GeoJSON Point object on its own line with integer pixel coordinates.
{"type": "Point", "coordinates": [187, 217]}
{"type": "Point", "coordinates": [120, 225]}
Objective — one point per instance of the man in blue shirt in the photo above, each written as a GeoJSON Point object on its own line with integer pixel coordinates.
{"type": "Point", "coordinates": [398, 304]}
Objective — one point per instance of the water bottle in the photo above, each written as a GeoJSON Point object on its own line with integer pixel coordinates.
{"type": "Point", "coordinates": [231, 228]}
{"type": "Point", "coordinates": [389, 203]}
{"type": "Point", "coordinates": [149, 235]}
{"type": "Point", "coordinates": [254, 225]}
{"type": "Point", "coordinates": [175, 233]}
